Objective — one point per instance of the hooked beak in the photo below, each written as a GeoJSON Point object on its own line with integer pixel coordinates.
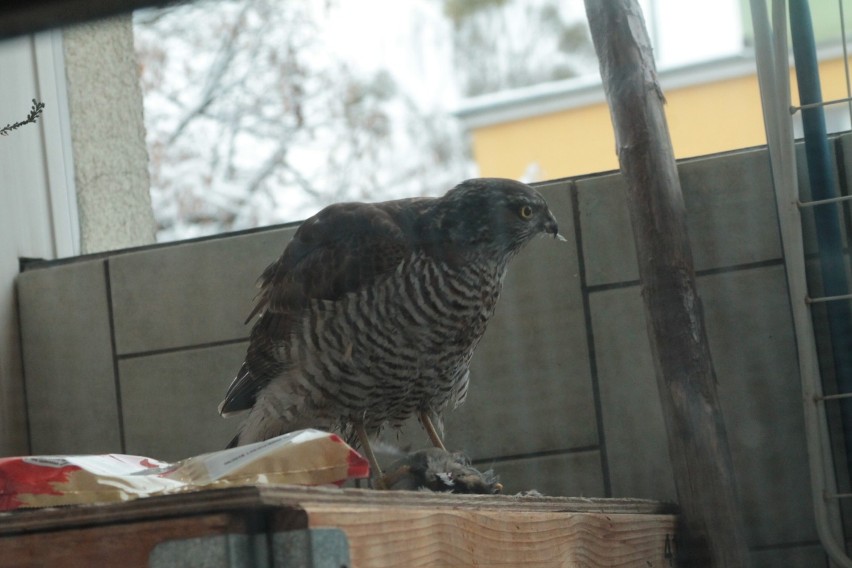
{"type": "Point", "coordinates": [551, 227]}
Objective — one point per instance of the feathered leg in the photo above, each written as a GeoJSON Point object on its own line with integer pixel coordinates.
{"type": "Point", "coordinates": [431, 431]}
{"type": "Point", "coordinates": [378, 477]}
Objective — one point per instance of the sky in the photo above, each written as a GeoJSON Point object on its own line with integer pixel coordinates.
{"type": "Point", "coordinates": [689, 31]}
{"type": "Point", "coordinates": [376, 34]}
{"type": "Point", "coordinates": [386, 34]}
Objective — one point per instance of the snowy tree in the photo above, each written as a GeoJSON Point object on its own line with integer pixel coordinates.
{"type": "Point", "coordinates": [260, 112]}
{"type": "Point", "coordinates": [253, 120]}
{"type": "Point", "coordinates": [505, 44]}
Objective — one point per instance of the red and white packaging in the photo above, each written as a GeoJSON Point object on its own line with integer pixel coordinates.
{"type": "Point", "coordinates": [306, 457]}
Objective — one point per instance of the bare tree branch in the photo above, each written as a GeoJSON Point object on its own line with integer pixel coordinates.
{"type": "Point", "coordinates": [212, 84]}
{"type": "Point", "coordinates": [252, 119]}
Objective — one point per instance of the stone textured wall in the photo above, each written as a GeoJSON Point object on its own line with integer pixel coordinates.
{"type": "Point", "coordinates": [108, 136]}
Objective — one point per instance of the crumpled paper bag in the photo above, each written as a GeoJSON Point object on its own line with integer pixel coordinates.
{"type": "Point", "coordinates": [305, 457]}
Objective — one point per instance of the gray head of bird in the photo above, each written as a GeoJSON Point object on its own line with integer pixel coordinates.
{"type": "Point", "coordinates": [493, 215]}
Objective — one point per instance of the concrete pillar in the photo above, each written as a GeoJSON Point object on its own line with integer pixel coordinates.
{"type": "Point", "coordinates": [108, 136]}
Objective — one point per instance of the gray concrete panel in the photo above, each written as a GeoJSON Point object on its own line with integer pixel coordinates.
{"type": "Point", "coordinates": [68, 360]}
{"type": "Point", "coordinates": [577, 474]}
{"type": "Point", "coordinates": [731, 213]}
{"type": "Point", "coordinates": [169, 401]}
{"type": "Point", "coordinates": [189, 294]}
{"type": "Point", "coordinates": [790, 557]}
{"type": "Point", "coordinates": [749, 327]}
{"type": "Point", "coordinates": [747, 319]}
{"type": "Point", "coordinates": [608, 248]}
{"type": "Point", "coordinates": [730, 216]}
{"type": "Point", "coordinates": [634, 428]}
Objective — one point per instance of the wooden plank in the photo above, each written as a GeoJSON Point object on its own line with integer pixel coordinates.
{"type": "Point", "coordinates": [309, 495]}
{"type": "Point", "coordinates": [233, 498]}
{"type": "Point", "coordinates": [382, 536]}
{"type": "Point", "coordinates": [166, 506]}
{"type": "Point", "coordinates": [121, 544]}
{"type": "Point", "coordinates": [383, 528]}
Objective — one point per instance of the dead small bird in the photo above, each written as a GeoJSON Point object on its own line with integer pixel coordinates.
{"type": "Point", "coordinates": [439, 470]}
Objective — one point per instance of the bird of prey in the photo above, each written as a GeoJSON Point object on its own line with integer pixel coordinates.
{"type": "Point", "coordinates": [372, 313]}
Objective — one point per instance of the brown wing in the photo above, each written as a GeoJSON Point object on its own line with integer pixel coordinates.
{"type": "Point", "coordinates": [341, 249]}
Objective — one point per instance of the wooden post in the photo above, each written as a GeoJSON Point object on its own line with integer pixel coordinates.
{"type": "Point", "coordinates": [712, 526]}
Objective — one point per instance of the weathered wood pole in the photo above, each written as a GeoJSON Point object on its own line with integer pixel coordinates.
{"type": "Point", "coordinates": [712, 528]}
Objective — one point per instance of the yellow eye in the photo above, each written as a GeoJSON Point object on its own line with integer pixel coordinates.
{"type": "Point", "coordinates": [525, 212]}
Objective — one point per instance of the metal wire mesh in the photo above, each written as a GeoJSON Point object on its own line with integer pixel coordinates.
{"type": "Point", "coordinates": [783, 123]}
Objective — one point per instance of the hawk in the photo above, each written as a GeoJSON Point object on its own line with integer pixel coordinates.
{"type": "Point", "coordinates": [373, 311]}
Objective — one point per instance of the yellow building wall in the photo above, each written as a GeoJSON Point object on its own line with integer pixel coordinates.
{"type": "Point", "coordinates": [703, 119]}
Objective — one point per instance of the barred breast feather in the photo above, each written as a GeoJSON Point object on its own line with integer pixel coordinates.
{"type": "Point", "coordinates": [373, 312]}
